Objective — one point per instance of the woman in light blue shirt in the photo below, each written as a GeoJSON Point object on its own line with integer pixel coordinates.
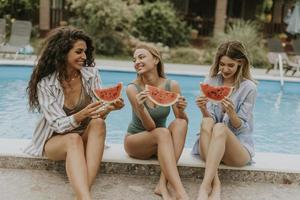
{"type": "Point", "coordinates": [72, 126]}
{"type": "Point", "coordinates": [226, 128]}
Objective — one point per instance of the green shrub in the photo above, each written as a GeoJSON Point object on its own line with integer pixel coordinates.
{"type": "Point", "coordinates": [247, 32]}
{"type": "Point", "coordinates": [158, 22]}
{"type": "Point", "coordinates": [19, 9]}
{"type": "Point", "coordinates": [187, 55]}
{"type": "Point", "coordinates": [106, 21]}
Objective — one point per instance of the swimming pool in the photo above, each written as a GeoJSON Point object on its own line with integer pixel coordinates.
{"type": "Point", "coordinates": [276, 115]}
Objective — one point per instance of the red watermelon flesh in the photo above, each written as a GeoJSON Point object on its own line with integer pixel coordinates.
{"type": "Point", "coordinates": [216, 93]}
{"type": "Point", "coordinates": [109, 94]}
{"type": "Point", "coordinates": [161, 97]}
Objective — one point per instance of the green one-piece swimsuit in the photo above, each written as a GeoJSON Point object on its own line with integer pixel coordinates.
{"type": "Point", "coordinates": [159, 114]}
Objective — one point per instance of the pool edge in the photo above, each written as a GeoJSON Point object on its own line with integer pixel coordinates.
{"type": "Point", "coordinates": [268, 167]}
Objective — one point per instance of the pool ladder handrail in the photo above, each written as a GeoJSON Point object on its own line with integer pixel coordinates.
{"type": "Point", "coordinates": [280, 66]}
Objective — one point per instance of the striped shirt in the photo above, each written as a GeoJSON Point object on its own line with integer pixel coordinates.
{"type": "Point", "coordinates": [51, 100]}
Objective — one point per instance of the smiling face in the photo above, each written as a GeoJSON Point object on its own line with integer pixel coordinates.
{"type": "Point", "coordinates": [76, 57]}
{"type": "Point", "coordinates": [228, 67]}
{"type": "Point", "coordinates": [144, 61]}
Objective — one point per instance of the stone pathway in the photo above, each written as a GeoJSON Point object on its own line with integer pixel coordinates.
{"type": "Point", "coordinates": [16, 184]}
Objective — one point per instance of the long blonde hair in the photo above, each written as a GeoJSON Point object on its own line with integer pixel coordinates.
{"type": "Point", "coordinates": [236, 51]}
{"type": "Point", "coordinates": [156, 54]}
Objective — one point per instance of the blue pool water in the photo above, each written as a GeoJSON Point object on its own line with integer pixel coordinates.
{"type": "Point", "coordinates": [276, 115]}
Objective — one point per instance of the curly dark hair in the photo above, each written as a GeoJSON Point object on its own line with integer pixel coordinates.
{"type": "Point", "coordinates": [53, 57]}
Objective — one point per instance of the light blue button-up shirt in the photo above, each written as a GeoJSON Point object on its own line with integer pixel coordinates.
{"type": "Point", "coordinates": [243, 99]}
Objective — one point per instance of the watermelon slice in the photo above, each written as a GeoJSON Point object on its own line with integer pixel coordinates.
{"type": "Point", "coordinates": [215, 93]}
{"type": "Point", "coordinates": [161, 97]}
{"type": "Point", "coordinates": [109, 94]}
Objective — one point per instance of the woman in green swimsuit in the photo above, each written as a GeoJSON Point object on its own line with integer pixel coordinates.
{"type": "Point", "coordinates": [148, 134]}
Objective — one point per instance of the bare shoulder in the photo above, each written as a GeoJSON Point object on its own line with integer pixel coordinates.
{"type": "Point", "coordinates": [131, 88]}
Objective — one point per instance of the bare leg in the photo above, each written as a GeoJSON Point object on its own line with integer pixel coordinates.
{"type": "Point", "coordinates": [205, 139]}
{"type": "Point", "coordinates": [216, 189]}
{"type": "Point", "coordinates": [178, 130]}
{"type": "Point", "coordinates": [70, 147]}
{"type": "Point", "coordinates": [223, 146]}
{"type": "Point", "coordinates": [159, 141]}
{"type": "Point", "coordinates": [205, 136]}
{"type": "Point", "coordinates": [94, 138]}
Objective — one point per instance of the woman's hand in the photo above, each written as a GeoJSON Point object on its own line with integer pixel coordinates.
{"type": "Point", "coordinates": [201, 102]}
{"type": "Point", "coordinates": [105, 110]}
{"type": "Point", "coordinates": [141, 98]}
{"type": "Point", "coordinates": [228, 106]}
{"type": "Point", "coordinates": [118, 104]}
{"type": "Point", "coordinates": [181, 103]}
{"type": "Point", "coordinates": [93, 110]}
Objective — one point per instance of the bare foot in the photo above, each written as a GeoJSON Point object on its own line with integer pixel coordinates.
{"type": "Point", "coordinates": [162, 190]}
{"type": "Point", "coordinates": [203, 193]}
{"type": "Point", "coordinates": [216, 191]}
{"type": "Point", "coordinates": [183, 197]}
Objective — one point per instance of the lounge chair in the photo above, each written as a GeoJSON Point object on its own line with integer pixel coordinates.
{"type": "Point", "coordinates": [2, 31]}
{"type": "Point", "coordinates": [275, 49]}
{"type": "Point", "coordinates": [19, 37]}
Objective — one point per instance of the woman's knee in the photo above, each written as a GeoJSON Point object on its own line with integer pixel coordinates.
{"type": "Point", "coordinates": [207, 125]}
{"type": "Point", "coordinates": [219, 131]}
{"type": "Point", "coordinates": [179, 126]}
{"type": "Point", "coordinates": [180, 122]}
{"type": "Point", "coordinates": [99, 125]}
{"type": "Point", "coordinates": [73, 140]}
{"type": "Point", "coordinates": [162, 134]}
{"type": "Point", "coordinates": [97, 122]}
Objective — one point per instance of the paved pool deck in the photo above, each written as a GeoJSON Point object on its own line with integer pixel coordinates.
{"type": "Point", "coordinates": [271, 177]}
{"type": "Point", "coordinates": [27, 184]}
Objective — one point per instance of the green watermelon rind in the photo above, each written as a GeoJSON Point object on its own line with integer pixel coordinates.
{"type": "Point", "coordinates": [158, 103]}
{"type": "Point", "coordinates": [107, 88]}
{"type": "Point", "coordinates": [215, 100]}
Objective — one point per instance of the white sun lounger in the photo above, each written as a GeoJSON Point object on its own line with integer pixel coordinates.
{"type": "Point", "coordinates": [19, 37]}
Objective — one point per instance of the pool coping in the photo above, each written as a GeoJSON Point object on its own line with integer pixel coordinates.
{"type": "Point", "coordinates": [268, 167]}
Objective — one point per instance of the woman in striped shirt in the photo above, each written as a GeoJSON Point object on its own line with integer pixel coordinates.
{"type": "Point", "coordinates": [72, 126]}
